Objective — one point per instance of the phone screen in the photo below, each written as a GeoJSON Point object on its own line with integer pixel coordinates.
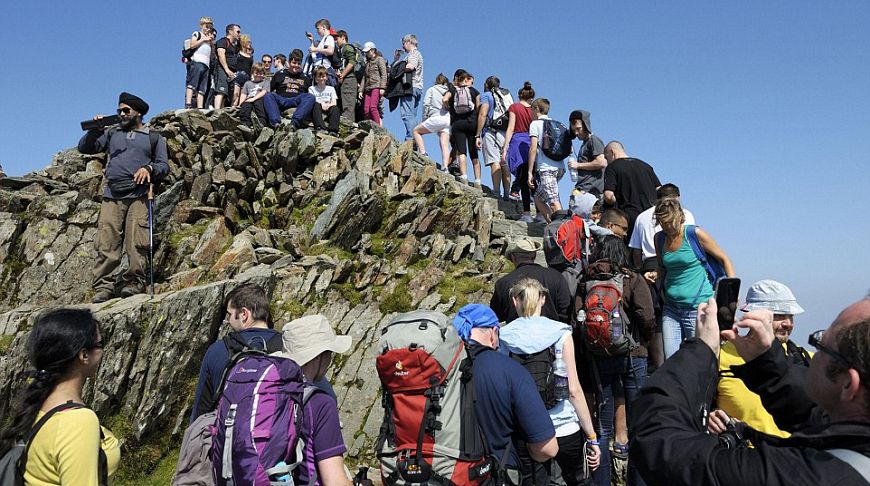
{"type": "Point", "coordinates": [727, 294]}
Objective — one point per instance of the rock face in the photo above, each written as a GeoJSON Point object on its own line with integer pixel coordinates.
{"type": "Point", "coordinates": [357, 228]}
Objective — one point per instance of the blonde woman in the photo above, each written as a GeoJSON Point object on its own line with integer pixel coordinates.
{"type": "Point", "coordinates": [244, 65]}
{"type": "Point", "coordinates": [681, 275]}
{"type": "Point", "coordinates": [532, 333]}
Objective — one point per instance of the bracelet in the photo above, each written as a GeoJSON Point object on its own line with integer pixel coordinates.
{"type": "Point", "coordinates": [594, 436]}
{"type": "Point", "coordinates": [592, 442]}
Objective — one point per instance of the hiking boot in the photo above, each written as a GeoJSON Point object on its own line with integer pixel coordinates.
{"type": "Point", "coordinates": [526, 218]}
{"type": "Point", "coordinates": [131, 290]}
{"type": "Point", "coordinates": [102, 296]}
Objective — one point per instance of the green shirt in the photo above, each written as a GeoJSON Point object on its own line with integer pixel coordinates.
{"type": "Point", "coordinates": [348, 56]}
{"type": "Point", "coordinates": [686, 281]}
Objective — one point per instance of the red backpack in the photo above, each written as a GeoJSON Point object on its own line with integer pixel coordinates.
{"type": "Point", "coordinates": [566, 246]}
{"type": "Point", "coordinates": [605, 329]}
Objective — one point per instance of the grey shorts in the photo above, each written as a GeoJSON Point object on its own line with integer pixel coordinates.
{"type": "Point", "coordinates": [492, 144]}
{"type": "Point", "coordinates": [221, 82]}
{"type": "Point", "coordinates": [548, 185]}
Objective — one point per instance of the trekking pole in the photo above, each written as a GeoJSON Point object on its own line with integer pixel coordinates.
{"type": "Point", "coordinates": [151, 235]}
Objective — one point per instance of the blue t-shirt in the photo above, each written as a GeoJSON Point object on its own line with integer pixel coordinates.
{"type": "Point", "coordinates": [508, 405]}
{"type": "Point", "coordinates": [213, 364]}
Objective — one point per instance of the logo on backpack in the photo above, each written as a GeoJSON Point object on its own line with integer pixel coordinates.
{"type": "Point", "coordinates": [604, 329]}
{"type": "Point", "coordinates": [463, 101]}
{"type": "Point", "coordinates": [556, 140]}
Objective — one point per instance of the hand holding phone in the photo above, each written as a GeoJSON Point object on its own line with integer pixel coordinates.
{"type": "Point", "coordinates": [727, 294]}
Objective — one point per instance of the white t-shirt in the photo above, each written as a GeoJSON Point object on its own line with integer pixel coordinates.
{"type": "Point", "coordinates": [326, 96]}
{"type": "Point", "coordinates": [643, 236]}
{"type": "Point", "coordinates": [542, 162]}
{"type": "Point", "coordinates": [321, 59]}
{"type": "Point", "coordinates": [203, 52]}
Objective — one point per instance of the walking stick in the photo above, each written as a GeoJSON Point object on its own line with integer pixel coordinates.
{"type": "Point", "coordinates": [151, 235]}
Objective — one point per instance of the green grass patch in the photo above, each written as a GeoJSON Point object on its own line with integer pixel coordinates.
{"type": "Point", "coordinates": [349, 292]}
{"type": "Point", "coordinates": [6, 342]}
{"type": "Point", "coordinates": [160, 476]}
{"type": "Point", "coordinates": [327, 249]}
{"type": "Point", "coordinates": [396, 301]}
{"type": "Point", "coordinates": [176, 237]}
{"type": "Point", "coordinates": [459, 287]}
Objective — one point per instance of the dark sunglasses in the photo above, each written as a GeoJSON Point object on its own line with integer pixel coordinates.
{"type": "Point", "coordinates": [125, 111]}
{"type": "Point", "coordinates": [98, 345]}
{"type": "Point", "coordinates": [815, 341]}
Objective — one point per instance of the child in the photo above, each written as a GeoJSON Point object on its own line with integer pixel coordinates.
{"type": "Point", "coordinates": [252, 96]}
{"type": "Point", "coordinates": [547, 170]}
{"type": "Point", "coordinates": [326, 102]}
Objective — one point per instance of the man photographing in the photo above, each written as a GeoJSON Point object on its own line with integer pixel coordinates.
{"type": "Point", "coordinates": [137, 158]}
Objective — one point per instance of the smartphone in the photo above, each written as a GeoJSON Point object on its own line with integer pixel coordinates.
{"type": "Point", "coordinates": [727, 294]}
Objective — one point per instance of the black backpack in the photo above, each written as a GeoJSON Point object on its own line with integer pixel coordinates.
{"type": "Point", "coordinates": [540, 366]}
{"type": "Point", "coordinates": [556, 140]}
{"type": "Point", "coordinates": [335, 59]}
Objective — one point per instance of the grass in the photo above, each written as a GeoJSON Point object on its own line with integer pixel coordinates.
{"type": "Point", "coordinates": [459, 287]}
{"type": "Point", "coordinates": [176, 237]}
{"type": "Point", "coordinates": [327, 249]}
{"type": "Point", "coordinates": [349, 292]}
{"type": "Point", "coordinates": [6, 342]}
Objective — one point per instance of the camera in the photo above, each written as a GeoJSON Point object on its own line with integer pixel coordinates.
{"type": "Point", "coordinates": [733, 437]}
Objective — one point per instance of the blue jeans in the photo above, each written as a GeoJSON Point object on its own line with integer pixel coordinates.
{"type": "Point", "coordinates": [626, 373]}
{"type": "Point", "coordinates": [408, 108]}
{"type": "Point", "coordinates": [678, 323]}
{"type": "Point", "coordinates": [197, 77]}
{"type": "Point", "coordinates": [274, 103]}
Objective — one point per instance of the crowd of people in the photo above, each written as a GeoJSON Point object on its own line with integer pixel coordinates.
{"type": "Point", "coordinates": [610, 363]}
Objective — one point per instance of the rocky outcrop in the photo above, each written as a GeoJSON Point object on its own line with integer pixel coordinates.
{"type": "Point", "coordinates": [356, 227]}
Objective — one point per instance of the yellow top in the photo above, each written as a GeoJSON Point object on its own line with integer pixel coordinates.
{"type": "Point", "coordinates": [64, 452]}
{"type": "Point", "coordinates": [737, 401]}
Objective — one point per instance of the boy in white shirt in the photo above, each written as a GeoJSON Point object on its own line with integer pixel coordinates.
{"type": "Point", "coordinates": [326, 102]}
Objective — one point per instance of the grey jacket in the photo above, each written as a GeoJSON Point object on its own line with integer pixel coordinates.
{"type": "Point", "coordinates": [128, 152]}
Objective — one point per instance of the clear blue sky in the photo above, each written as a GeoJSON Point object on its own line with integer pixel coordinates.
{"type": "Point", "coordinates": [759, 111]}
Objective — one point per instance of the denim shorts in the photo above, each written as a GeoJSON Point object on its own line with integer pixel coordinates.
{"type": "Point", "coordinates": [221, 83]}
{"type": "Point", "coordinates": [197, 76]}
{"type": "Point", "coordinates": [241, 78]}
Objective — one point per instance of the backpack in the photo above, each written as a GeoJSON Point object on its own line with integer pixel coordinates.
{"type": "Point", "coordinates": [258, 423]}
{"type": "Point", "coordinates": [566, 246]}
{"type": "Point", "coordinates": [715, 269]}
{"type": "Point", "coordinates": [187, 51]}
{"type": "Point", "coordinates": [463, 102]}
{"type": "Point", "coordinates": [194, 468]}
{"type": "Point", "coordinates": [556, 140]}
{"type": "Point", "coordinates": [605, 329]}
{"type": "Point", "coordinates": [540, 366]}
{"type": "Point", "coordinates": [14, 462]}
{"type": "Point", "coordinates": [359, 63]}
{"type": "Point", "coordinates": [500, 117]}
{"type": "Point", "coordinates": [335, 58]}
{"type": "Point", "coordinates": [430, 434]}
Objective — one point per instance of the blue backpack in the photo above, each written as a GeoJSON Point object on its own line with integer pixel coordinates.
{"type": "Point", "coordinates": [556, 140]}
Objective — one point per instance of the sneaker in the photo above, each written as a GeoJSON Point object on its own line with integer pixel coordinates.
{"type": "Point", "coordinates": [514, 196]}
{"type": "Point", "coordinates": [131, 290]}
{"type": "Point", "coordinates": [526, 218]}
{"type": "Point", "coordinates": [102, 296]}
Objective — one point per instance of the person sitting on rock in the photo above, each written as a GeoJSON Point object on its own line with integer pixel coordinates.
{"type": "Point", "coordinates": [252, 95]}
{"type": "Point", "coordinates": [289, 89]}
{"type": "Point", "coordinates": [327, 102]}
{"type": "Point", "coordinates": [137, 158]}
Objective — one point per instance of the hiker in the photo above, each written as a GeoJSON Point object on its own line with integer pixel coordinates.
{"type": "Point", "coordinates": [227, 49]}
{"type": "Point", "coordinates": [612, 222]}
{"type": "Point", "coordinates": [137, 158]}
{"type": "Point", "coordinates": [733, 398]}
{"type": "Point", "coordinates": [410, 102]}
{"type": "Point", "coordinates": [522, 252]}
{"type": "Point", "coordinates": [544, 172]}
{"type": "Point", "coordinates": [619, 371]}
{"type": "Point", "coordinates": [508, 406]}
{"type": "Point", "coordinates": [516, 148]}
{"type": "Point", "coordinates": [531, 334]}
{"type": "Point", "coordinates": [266, 61]}
{"type": "Point", "coordinates": [371, 90]}
{"type": "Point", "coordinates": [311, 342]}
{"type": "Point", "coordinates": [462, 99]}
{"type": "Point", "coordinates": [322, 51]}
{"type": "Point", "coordinates": [247, 314]}
{"type": "Point", "coordinates": [202, 43]}
{"type": "Point", "coordinates": [326, 102]}
{"type": "Point", "coordinates": [687, 282]}
{"type": "Point", "coordinates": [65, 347]}
{"type": "Point", "coordinates": [252, 94]}
{"type": "Point", "coordinates": [630, 184]}
{"type": "Point", "coordinates": [825, 407]}
{"type": "Point", "coordinates": [289, 89]}
{"type": "Point", "coordinates": [436, 119]}
{"type": "Point", "coordinates": [347, 81]}
{"type": "Point", "coordinates": [492, 121]}
{"type": "Point", "coordinates": [590, 162]}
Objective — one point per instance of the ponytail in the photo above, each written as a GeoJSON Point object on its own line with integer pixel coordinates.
{"type": "Point", "coordinates": [528, 294]}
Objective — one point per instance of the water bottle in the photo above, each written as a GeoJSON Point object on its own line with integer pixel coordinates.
{"type": "Point", "coordinates": [581, 316]}
{"type": "Point", "coordinates": [575, 174]}
{"type": "Point", "coordinates": [616, 324]}
{"type": "Point", "coordinates": [560, 371]}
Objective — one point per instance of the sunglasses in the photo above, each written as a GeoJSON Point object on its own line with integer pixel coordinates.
{"type": "Point", "coordinates": [125, 111]}
{"type": "Point", "coordinates": [815, 341]}
{"type": "Point", "coordinates": [98, 345]}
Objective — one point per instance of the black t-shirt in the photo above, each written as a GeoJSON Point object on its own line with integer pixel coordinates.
{"type": "Point", "coordinates": [288, 84]}
{"type": "Point", "coordinates": [463, 116]}
{"type": "Point", "coordinates": [634, 184]}
{"type": "Point", "coordinates": [245, 63]}
{"type": "Point", "coordinates": [232, 52]}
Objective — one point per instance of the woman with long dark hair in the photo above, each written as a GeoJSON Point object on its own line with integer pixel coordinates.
{"type": "Point", "coordinates": [65, 347]}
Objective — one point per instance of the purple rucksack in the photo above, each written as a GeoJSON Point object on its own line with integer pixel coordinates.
{"type": "Point", "coordinates": [259, 417]}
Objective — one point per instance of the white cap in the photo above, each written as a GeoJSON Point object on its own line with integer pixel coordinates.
{"type": "Point", "coordinates": [773, 296]}
{"type": "Point", "coordinates": [369, 46]}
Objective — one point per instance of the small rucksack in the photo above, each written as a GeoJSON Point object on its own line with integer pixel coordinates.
{"type": "Point", "coordinates": [463, 102]}
{"type": "Point", "coordinates": [258, 423]}
{"type": "Point", "coordinates": [556, 140]}
{"type": "Point", "coordinates": [187, 51]}
{"type": "Point", "coordinates": [540, 366]}
{"type": "Point", "coordinates": [605, 329]}
{"type": "Point", "coordinates": [359, 62]}
{"type": "Point", "coordinates": [335, 59]}
{"type": "Point", "coordinates": [502, 99]}
{"type": "Point", "coordinates": [566, 246]}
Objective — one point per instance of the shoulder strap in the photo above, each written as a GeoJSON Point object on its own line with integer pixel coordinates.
{"type": "Point", "coordinates": [22, 462]}
{"type": "Point", "coordinates": [857, 461]}
{"type": "Point", "coordinates": [695, 244]}
{"type": "Point", "coordinates": [154, 138]}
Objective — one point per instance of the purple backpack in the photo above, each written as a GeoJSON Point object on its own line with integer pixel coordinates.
{"type": "Point", "coordinates": [258, 425]}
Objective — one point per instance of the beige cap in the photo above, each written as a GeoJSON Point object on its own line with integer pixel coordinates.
{"type": "Point", "coordinates": [524, 245]}
{"type": "Point", "coordinates": [305, 338]}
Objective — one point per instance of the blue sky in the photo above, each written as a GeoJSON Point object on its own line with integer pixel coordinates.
{"type": "Point", "coordinates": [759, 111]}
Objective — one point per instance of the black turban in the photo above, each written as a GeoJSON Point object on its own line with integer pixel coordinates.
{"type": "Point", "coordinates": [134, 102]}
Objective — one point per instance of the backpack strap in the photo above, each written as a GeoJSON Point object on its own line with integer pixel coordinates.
{"type": "Point", "coordinates": [22, 462]}
{"type": "Point", "coordinates": [857, 461]}
{"type": "Point", "coordinates": [154, 139]}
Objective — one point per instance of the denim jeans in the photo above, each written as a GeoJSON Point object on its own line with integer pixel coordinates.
{"type": "Point", "coordinates": [678, 323]}
{"type": "Point", "coordinates": [274, 103]}
{"type": "Point", "coordinates": [627, 373]}
{"type": "Point", "coordinates": [408, 108]}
